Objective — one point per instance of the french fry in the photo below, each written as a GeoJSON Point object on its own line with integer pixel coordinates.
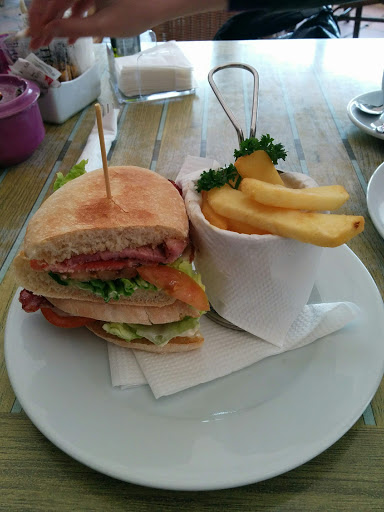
{"type": "Point", "coordinates": [317, 198]}
{"type": "Point", "coordinates": [228, 224]}
{"type": "Point", "coordinates": [244, 228]}
{"type": "Point", "coordinates": [320, 229]}
{"type": "Point", "coordinates": [259, 166]}
{"type": "Point", "coordinates": [212, 217]}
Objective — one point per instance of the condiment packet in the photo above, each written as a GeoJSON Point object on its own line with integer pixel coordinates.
{"type": "Point", "coordinates": [32, 68]}
{"type": "Point", "coordinates": [69, 61]}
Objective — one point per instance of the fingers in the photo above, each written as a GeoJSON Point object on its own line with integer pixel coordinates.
{"type": "Point", "coordinates": [35, 13]}
{"type": "Point", "coordinates": [81, 7]}
{"type": "Point", "coordinates": [74, 28]}
{"type": "Point", "coordinates": [43, 11]}
{"type": "Point", "coordinates": [115, 18]}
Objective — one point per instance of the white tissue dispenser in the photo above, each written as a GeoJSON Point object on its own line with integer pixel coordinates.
{"type": "Point", "coordinates": [162, 71]}
{"type": "Point", "coordinates": [61, 103]}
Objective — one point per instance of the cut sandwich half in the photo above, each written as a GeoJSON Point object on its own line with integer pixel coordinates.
{"type": "Point", "coordinates": [115, 261]}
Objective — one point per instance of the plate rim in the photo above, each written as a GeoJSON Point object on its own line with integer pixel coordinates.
{"type": "Point", "coordinates": [372, 213]}
{"type": "Point", "coordinates": [357, 122]}
{"type": "Point", "coordinates": [229, 482]}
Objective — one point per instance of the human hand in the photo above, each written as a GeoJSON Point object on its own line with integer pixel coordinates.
{"type": "Point", "coordinates": [112, 17]}
{"type": "Point", "coordinates": [115, 18]}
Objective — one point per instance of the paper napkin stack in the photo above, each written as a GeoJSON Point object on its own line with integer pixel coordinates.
{"type": "Point", "coordinates": [160, 69]}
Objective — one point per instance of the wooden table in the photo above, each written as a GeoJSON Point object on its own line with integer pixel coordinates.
{"type": "Point", "coordinates": [304, 90]}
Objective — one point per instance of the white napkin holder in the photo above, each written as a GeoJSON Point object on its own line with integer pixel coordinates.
{"type": "Point", "coordinates": [61, 103]}
{"type": "Point", "coordinates": [159, 72]}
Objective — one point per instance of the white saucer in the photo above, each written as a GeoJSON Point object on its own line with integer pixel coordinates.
{"type": "Point", "coordinates": [249, 426]}
{"type": "Point", "coordinates": [375, 199]}
{"type": "Point", "coordinates": [367, 122]}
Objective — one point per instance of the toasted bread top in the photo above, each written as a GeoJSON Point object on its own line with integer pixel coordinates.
{"type": "Point", "coordinates": [145, 209]}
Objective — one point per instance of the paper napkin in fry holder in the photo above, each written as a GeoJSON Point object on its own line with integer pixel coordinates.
{"type": "Point", "coordinates": [258, 282]}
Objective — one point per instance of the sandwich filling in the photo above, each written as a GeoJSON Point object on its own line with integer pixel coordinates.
{"type": "Point", "coordinates": [158, 334]}
{"type": "Point", "coordinates": [112, 284]}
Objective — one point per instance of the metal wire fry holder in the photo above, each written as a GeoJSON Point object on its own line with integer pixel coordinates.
{"type": "Point", "coordinates": [227, 110]}
{"type": "Point", "coordinates": [212, 314]}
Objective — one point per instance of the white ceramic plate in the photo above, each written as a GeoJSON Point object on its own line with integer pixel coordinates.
{"type": "Point", "coordinates": [252, 425]}
{"type": "Point", "coordinates": [366, 122]}
{"type": "Point", "coordinates": [375, 199]}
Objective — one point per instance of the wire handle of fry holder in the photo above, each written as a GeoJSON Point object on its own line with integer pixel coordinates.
{"type": "Point", "coordinates": [227, 110]}
{"type": "Point", "coordinates": [212, 314]}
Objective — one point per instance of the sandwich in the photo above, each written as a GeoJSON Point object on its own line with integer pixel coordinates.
{"type": "Point", "coordinates": [120, 266]}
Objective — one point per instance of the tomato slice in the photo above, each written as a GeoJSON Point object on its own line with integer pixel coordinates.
{"type": "Point", "coordinates": [175, 283]}
{"type": "Point", "coordinates": [38, 265]}
{"type": "Point", "coordinates": [64, 321]}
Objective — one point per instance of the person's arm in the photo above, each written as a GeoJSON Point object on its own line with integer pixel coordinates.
{"type": "Point", "coordinates": [117, 18]}
{"type": "Point", "coordinates": [126, 18]}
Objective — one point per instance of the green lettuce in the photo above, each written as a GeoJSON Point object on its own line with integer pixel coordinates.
{"type": "Point", "coordinates": [187, 267]}
{"type": "Point", "coordinates": [108, 289]}
{"type": "Point", "coordinates": [157, 334]}
{"type": "Point", "coordinates": [76, 171]}
{"type": "Point", "coordinates": [114, 289]}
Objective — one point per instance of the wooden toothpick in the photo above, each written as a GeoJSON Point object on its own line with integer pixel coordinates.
{"type": "Point", "coordinates": [102, 148]}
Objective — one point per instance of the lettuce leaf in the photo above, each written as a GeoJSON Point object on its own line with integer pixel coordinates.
{"type": "Point", "coordinates": [76, 171]}
{"type": "Point", "coordinates": [108, 290]}
{"type": "Point", "coordinates": [187, 267]}
{"type": "Point", "coordinates": [157, 334]}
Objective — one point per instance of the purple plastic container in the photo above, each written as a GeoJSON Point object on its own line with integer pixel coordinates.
{"type": "Point", "coordinates": [21, 126]}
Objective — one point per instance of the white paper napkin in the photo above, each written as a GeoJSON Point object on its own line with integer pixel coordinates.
{"type": "Point", "coordinates": [92, 151]}
{"type": "Point", "coordinates": [158, 69]}
{"type": "Point", "coordinates": [225, 350]}
{"type": "Point", "coordinates": [125, 371]}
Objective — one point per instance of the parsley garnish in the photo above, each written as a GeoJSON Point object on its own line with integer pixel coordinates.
{"type": "Point", "coordinates": [274, 151]}
{"type": "Point", "coordinates": [217, 179]}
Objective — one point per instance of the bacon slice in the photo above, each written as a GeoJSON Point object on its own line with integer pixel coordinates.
{"type": "Point", "coordinates": [129, 257]}
{"type": "Point", "coordinates": [93, 266]}
{"type": "Point", "coordinates": [31, 302]}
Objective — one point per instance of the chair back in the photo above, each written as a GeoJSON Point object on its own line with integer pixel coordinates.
{"type": "Point", "coordinates": [198, 27]}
